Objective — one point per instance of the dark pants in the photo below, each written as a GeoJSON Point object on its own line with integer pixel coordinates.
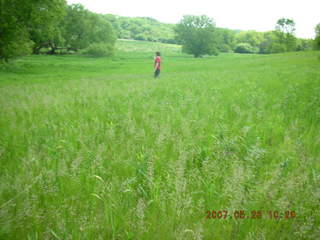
{"type": "Point", "coordinates": [156, 73]}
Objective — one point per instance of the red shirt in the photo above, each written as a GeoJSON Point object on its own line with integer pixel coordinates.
{"type": "Point", "coordinates": [157, 60]}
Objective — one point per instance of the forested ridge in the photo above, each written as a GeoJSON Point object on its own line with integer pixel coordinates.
{"type": "Point", "coordinates": [142, 28]}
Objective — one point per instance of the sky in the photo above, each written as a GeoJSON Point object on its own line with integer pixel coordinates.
{"type": "Point", "coordinates": [241, 15]}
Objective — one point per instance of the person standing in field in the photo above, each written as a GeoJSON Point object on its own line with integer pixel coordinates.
{"type": "Point", "coordinates": [157, 63]}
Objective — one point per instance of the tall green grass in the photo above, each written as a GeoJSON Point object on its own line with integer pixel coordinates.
{"type": "Point", "coordinates": [95, 148]}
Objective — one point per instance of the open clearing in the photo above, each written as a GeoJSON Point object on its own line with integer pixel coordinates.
{"type": "Point", "coordinates": [95, 148]}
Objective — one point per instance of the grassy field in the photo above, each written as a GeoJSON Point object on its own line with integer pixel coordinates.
{"type": "Point", "coordinates": [95, 148]}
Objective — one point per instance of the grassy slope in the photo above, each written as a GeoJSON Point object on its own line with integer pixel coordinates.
{"type": "Point", "coordinates": [96, 148]}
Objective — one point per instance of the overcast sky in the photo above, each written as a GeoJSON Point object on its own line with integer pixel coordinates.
{"type": "Point", "coordinates": [242, 14]}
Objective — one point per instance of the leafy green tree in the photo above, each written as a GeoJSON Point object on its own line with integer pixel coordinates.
{"type": "Point", "coordinates": [198, 35]}
{"type": "Point", "coordinates": [250, 37]}
{"type": "Point", "coordinates": [82, 28]}
{"type": "Point", "coordinates": [286, 26]}
{"type": "Point", "coordinates": [227, 39]}
{"type": "Point", "coordinates": [114, 21]}
{"type": "Point", "coordinates": [317, 39]}
{"type": "Point", "coordinates": [29, 25]}
{"type": "Point", "coordinates": [76, 27]}
{"type": "Point", "coordinates": [14, 35]}
{"type": "Point", "coordinates": [304, 44]}
{"type": "Point", "coordinates": [271, 43]}
{"type": "Point", "coordinates": [285, 29]}
{"type": "Point", "coordinates": [101, 30]}
{"type": "Point", "coordinates": [45, 27]}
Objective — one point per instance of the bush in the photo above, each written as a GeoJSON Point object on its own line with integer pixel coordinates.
{"type": "Point", "coordinates": [225, 48]}
{"type": "Point", "coordinates": [277, 48]}
{"type": "Point", "coordinates": [99, 50]}
{"type": "Point", "coordinates": [245, 48]}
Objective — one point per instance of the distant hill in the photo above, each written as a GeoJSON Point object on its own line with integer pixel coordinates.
{"type": "Point", "coordinates": [141, 28]}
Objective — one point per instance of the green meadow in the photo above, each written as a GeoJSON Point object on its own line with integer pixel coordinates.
{"type": "Point", "coordinates": [222, 147]}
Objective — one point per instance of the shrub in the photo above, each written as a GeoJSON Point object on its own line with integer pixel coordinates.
{"type": "Point", "coordinates": [225, 48]}
{"type": "Point", "coordinates": [277, 48]}
{"type": "Point", "coordinates": [245, 48]}
{"type": "Point", "coordinates": [99, 50]}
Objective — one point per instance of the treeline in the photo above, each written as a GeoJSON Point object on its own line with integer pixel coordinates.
{"type": "Point", "coordinates": [262, 42]}
{"type": "Point", "coordinates": [32, 26]}
{"type": "Point", "coordinates": [198, 35]}
{"type": "Point", "coordinates": [281, 39]}
{"type": "Point", "coordinates": [52, 26]}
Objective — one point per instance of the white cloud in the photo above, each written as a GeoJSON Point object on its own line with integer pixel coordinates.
{"type": "Point", "coordinates": [245, 15]}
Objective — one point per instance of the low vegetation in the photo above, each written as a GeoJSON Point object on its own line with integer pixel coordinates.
{"type": "Point", "coordinates": [95, 148]}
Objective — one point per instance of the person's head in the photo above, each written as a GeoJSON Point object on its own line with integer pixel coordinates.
{"type": "Point", "coordinates": [158, 54]}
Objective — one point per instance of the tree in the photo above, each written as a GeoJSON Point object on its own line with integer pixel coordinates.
{"type": "Point", "coordinates": [250, 37]}
{"type": "Point", "coordinates": [197, 34]}
{"type": "Point", "coordinates": [304, 44]}
{"type": "Point", "coordinates": [286, 26]}
{"type": "Point", "coordinates": [227, 39]}
{"type": "Point", "coordinates": [76, 27]}
{"type": "Point", "coordinates": [114, 20]}
{"type": "Point", "coordinates": [14, 35]}
{"type": "Point", "coordinates": [317, 39]}
{"type": "Point", "coordinates": [101, 30]}
{"type": "Point", "coordinates": [45, 27]}
{"type": "Point", "coordinates": [271, 43]}
{"type": "Point", "coordinates": [82, 28]}
{"type": "Point", "coordinates": [285, 29]}
{"type": "Point", "coordinates": [25, 26]}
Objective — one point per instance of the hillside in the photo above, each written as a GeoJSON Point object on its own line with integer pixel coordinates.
{"type": "Point", "coordinates": [141, 28]}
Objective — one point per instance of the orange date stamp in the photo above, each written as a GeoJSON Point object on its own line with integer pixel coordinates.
{"type": "Point", "coordinates": [255, 214]}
